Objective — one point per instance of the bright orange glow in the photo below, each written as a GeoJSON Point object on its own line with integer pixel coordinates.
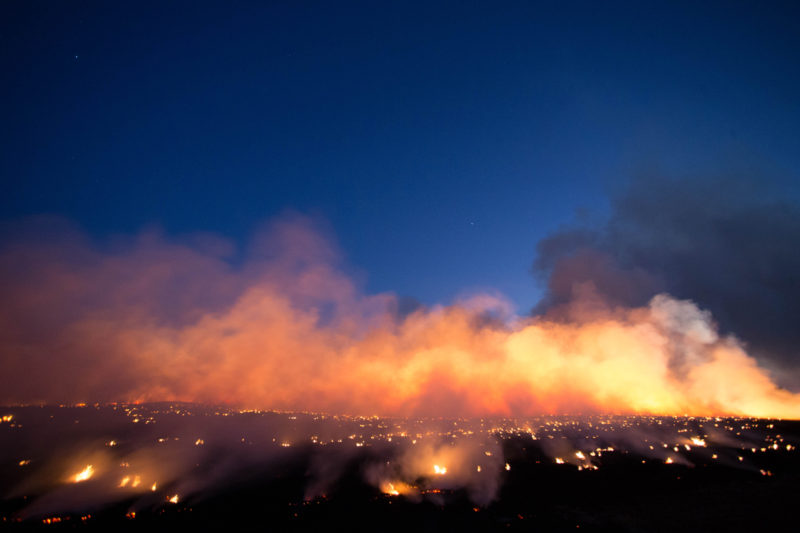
{"type": "Point", "coordinates": [440, 470]}
{"type": "Point", "coordinates": [257, 336]}
{"type": "Point", "coordinates": [173, 499]}
{"type": "Point", "coordinates": [396, 488]}
{"type": "Point", "coordinates": [84, 474]}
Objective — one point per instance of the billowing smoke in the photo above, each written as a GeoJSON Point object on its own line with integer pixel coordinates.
{"type": "Point", "coordinates": [730, 245]}
{"type": "Point", "coordinates": [280, 325]}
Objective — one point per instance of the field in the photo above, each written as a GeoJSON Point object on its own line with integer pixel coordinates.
{"type": "Point", "coordinates": [158, 467]}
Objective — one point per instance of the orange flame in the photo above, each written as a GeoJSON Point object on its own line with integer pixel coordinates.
{"type": "Point", "coordinates": [84, 474]}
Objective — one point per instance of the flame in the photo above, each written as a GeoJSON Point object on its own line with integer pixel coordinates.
{"type": "Point", "coordinates": [173, 498]}
{"type": "Point", "coordinates": [396, 488]}
{"type": "Point", "coordinates": [84, 474]}
{"type": "Point", "coordinates": [153, 487]}
{"type": "Point", "coordinates": [124, 482]}
{"type": "Point", "coordinates": [697, 441]}
{"type": "Point", "coordinates": [440, 470]}
{"type": "Point", "coordinates": [388, 488]}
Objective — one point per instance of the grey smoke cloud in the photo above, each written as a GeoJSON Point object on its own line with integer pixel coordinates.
{"type": "Point", "coordinates": [730, 245]}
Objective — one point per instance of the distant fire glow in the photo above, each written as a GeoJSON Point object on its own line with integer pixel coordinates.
{"type": "Point", "coordinates": [290, 331]}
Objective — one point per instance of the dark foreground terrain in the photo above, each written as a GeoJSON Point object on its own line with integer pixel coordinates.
{"type": "Point", "coordinates": [168, 467]}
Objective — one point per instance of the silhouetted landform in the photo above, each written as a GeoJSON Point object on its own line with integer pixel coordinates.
{"type": "Point", "coordinates": [169, 467]}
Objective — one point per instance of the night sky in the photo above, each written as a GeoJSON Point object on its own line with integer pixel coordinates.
{"type": "Point", "coordinates": [439, 142]}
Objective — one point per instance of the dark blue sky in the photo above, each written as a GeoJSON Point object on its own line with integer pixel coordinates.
{"type": "Point", "coordinates": [441, 142]}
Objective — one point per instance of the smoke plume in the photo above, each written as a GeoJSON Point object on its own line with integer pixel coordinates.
{"type": "Point", "coordinates": [728, 244]}
{"type": "Point", "coordinates": [280, 325]}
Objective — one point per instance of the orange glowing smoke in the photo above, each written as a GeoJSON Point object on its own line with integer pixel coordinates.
{"type": "Point", "coordinates": [288, 330]}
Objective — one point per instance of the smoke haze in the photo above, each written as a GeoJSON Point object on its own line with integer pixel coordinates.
{"type": "Point", "coordinates": [728, 244]}
{"type": "Point", "coordinates": [282, 326]}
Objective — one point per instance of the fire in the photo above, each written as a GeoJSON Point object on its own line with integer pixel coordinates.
{"type": "Point", "coordinates": [153, 487]}
{"type": "Point", "coordinates": [173, 498]}
{"type": "Point", "coordinates": [388, 488]}
{"type": "Point", "coordinates": [580, 455]}
{"type": "Point", "coordinates": [395, 488]}
{"type": "Point", "coordinates": [124, 482]}
{"type": "Point", "coordinates": [84, 474]}
{"type": "Point", "coordinates": [440, 470]}
{"type": "Point", "coordinates": [559, 461]}
{"type": "Point", "coordinates": [697, 441]}
{"type": "Point", "coordinates": [269, 347]}
{"type": "Point", "coordinates": [136, 481]}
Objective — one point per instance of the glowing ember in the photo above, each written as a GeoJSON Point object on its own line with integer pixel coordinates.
{"type": "Point", "coordinates": [441, 470]}
{"type": "Point", "coordinates": [136, 481]}
{"type": "Point", "coordinates": [508, 466]}
{"type": "Point", "coordinates": [84, 474]}
{"type": "Point", "coordinates": [559, 461]}
{"type": "Point", "coordinates": [173, 499]}
{"type": "Point", "coordinates": [153, 487]}
{"type": "Point", "coordinates": [580, 455]}
{"type": "Point", "coordinates": [669, 461]}
{"type": "Point", "coordinates": [698, 441]}
{"type": "Point", "coordinates": [124, 482]}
